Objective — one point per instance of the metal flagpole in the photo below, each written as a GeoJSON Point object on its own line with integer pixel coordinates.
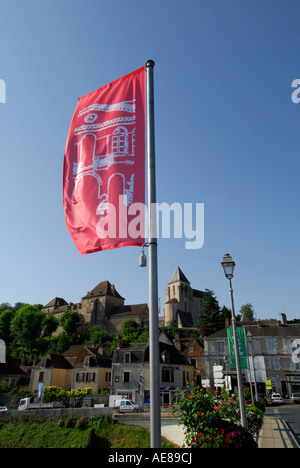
{"type": "Point", "coordinates": [155, 423]}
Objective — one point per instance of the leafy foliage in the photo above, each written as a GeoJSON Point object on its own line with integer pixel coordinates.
{"type": "Point", "coordinates": [212, 318]}
{"type": "Point", "coordinates": [211, 422]}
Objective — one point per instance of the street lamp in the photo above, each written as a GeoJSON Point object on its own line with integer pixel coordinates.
{"type": "Point", "coordinates": [228, 266]}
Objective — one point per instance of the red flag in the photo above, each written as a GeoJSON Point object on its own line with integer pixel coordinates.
{"type": "Point", "coordinates": [104, 167]}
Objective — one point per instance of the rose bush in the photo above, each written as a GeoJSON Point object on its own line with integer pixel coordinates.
{"type": "Point", "coordinates": [211, 422]}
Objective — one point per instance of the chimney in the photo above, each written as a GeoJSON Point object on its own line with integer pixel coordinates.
{"type": "Point", "coordinates": [283, 319]}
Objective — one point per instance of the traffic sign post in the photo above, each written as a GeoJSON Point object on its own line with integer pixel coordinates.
{"type": "Point", "coordinates": [218, 376]}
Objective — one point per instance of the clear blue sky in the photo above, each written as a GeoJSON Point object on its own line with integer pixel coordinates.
{"type": "Point", "coordinates": [227, 135]}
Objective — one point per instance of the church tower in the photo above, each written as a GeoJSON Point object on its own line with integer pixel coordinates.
{"type": "Point", "coordinates": [179, 302]}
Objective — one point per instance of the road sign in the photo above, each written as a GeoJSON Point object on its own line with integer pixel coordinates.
{"type": "Point", "coordinates": [206, 383]}
{"type": "Point", "coordinates": [218, 382]}
{"type": "Point", "coordinates": [217, 368]}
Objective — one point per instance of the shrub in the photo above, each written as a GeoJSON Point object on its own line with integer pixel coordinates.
{"type": "Point", "coordinates": [255, 418]}
{"type": "Point", "coordinates": [67, 421]}
{"type": "Point", "coordinates": [196, 408]}
{"type": "Point", "coordinates": [226, 435]}
{"type": "Point", "coordinates": [52, 393]}
{"type": "Point", "coordinates": [213, 423]}
{"type": "Point", "coordinates": [82, 423]}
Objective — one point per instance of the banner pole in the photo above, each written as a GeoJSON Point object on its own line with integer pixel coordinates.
{"type": "Point", "coordinates": [155, 422]}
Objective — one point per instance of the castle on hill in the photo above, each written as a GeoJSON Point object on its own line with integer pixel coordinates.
{"type": "Point", "coordinates": [104, 306]}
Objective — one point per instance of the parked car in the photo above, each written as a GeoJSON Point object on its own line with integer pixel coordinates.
{"type": "Point", "coordinates": [127, 406]}
{"type": "Point", "coordinates": [3, 408]}
{"type": "Point", "coordinates": [276, 399]}
{"type": "Point", "coordinates": [295, 398]}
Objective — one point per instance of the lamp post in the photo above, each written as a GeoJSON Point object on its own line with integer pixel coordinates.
{"type": "Point", "coordinates": [228, 266]}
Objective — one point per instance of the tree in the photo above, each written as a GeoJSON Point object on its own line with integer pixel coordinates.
{"type": "Point", "coordinates": [63, 343]}
{"type": "Point", "coordinates": [26, 327]}
{"type": "Point", "coordinates": [70, 321]}
{"type": "Point", "coordinates": [133, 332]}
{"type": "Point", "coordinates": [211, 319]}
{"type": "Point", "coordinates": [50, 325]}
{"type": "Point", "coordinates": [225, 314]}
{"type": "Point", "coordinates": [5, 306]}
{"type": "Point", "coordinates": [96, 335]}
{"type": "Point", "coordinates": [53, 393]}
{"type": "Point", "coordinates": [248, 312]}
{"type": "Point", "coordinates": [5, 320]}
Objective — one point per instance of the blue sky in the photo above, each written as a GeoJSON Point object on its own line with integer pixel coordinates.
{"type": "Point", "coordinates": [227, 135]}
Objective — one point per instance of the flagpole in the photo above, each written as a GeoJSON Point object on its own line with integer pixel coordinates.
{"type": "Point", "coordinates": [155, 422]}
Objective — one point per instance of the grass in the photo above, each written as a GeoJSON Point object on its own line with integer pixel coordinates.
{"type": "Point", "coordinates": [69, 432]}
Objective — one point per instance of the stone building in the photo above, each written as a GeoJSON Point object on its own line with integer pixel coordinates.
{"type": "Point", "coordinates": [79, 367]}
{"type": "Point", "coordinates": [131, 372]}
{"type": "Point", "coordinates": [102, 306]}
{"type": "Point", "coordinates": [183, 304]}
{"type": "Point", "coordinates": [271, 354]}
{"type": "Point", "coordinates": [193, 351]}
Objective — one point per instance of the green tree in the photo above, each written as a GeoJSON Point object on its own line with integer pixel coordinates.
{"type": "Point", "coordinates": [53, 393]}
{"type": "Point", "coordinates": [133, 332]}
{"type": "Point", "coordinates": [70, 321]}
{"type": "Point", "coordinates": [63, 343]}
{"type": "Point", "coordinates": [26, 327]}
{"type": "Point", "coordinates": [50, 325]}
{"type": "Point", "coordinates": [247, 311]}
{"type": "Point", "coordinates": [5, 306]}
{"type": "Point", "coordinates": [211, 319]}
{"type": "Point", "coordinates": [225, 314]}
{"type": "Point", "coordinates": [5, 321]}
{"type": "Point", "coordinates": [95, 335]}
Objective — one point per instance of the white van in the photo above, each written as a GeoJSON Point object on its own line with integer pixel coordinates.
{"type": "Point", "coordinates": [126, 406]}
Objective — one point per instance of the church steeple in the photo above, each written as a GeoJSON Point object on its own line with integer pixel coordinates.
{"type": "Point", "coordinates": [178, 276]}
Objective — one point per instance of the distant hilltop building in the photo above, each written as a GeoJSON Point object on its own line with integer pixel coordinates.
{"type": "Point", "coordinates": [102, 306]}
{"type": "Point", "coordinates": [105, 307]}
{"type": "Point", "coordinates": [183, 304]}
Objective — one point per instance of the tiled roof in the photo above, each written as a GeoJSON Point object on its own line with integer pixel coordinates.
{"type": "Point", "coordinates": [103, 289]}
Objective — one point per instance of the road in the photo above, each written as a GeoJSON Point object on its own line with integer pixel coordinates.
{"type": "Point", "coordinates": [288, 413]}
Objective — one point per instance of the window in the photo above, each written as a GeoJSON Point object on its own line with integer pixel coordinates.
{"type": "Point", "coordinates": [271, 345]}
{"type": "Point", "coordinates": [167, 375]}
{"type": "Point", "coordinates": [127, 357]}
{"type": "Point", "coordinates": [80, 377]}
{"type": "Point", "coordinates": [220, 347]}
{"type": "Point", "coordinates": [41, 376]}
{"type": "Point", "coordinates": [86, 361]}
{"type": "Point", "coordinates": [107, 376]}
{"type": "Point", "coordinates": [126, 377]}
{"type": "Point", "coordinates": [193, 362]}
{"type": "Point", "coordinates": [90, 377]}
{"type": "Point", "coordinates": [12, 382]}
{"type": "Point", "coordinates": [274, 364]}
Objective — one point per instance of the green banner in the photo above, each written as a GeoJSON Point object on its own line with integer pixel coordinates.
{"type": "Point", "coordinates": [242, 347]}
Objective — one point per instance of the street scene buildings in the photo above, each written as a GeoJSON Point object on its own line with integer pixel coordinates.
{"type": "Point", "coordinates": [271, 364]}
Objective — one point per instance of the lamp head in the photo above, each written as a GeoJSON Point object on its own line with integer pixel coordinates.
{"type": "Point", "coordinates": [228, 265]}
{"type": "Point", "coordinates": [143, 259]}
